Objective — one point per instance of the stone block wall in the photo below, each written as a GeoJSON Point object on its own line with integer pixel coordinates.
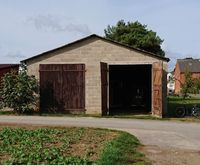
{"type": "Point", "coordinates": [91, 52]}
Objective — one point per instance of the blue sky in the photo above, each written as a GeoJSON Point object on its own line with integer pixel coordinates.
{"type": "Point", "coordinates": [34, 26]}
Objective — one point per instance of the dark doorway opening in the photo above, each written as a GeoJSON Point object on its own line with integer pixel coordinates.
{"type": "Point", "coordinates": [129, 89]}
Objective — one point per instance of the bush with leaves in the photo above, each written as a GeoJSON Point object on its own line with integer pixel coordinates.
{"type": "Point", "coordinates": [197, 85]}
{"type": "Point", "coordinates": [19, 91]}
{"type": "Point", "coordinates": [187, 86]}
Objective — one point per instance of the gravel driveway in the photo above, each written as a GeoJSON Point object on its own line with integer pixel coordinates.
{"type": "Point", "coordinates": [165, 142]}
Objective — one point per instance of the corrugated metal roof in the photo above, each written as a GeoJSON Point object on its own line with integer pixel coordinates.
{"type": "Point", "coordinates": [189, 64]}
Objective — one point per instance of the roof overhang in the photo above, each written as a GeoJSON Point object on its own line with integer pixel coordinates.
{"type": "Point", "coordinates": [104, 39]}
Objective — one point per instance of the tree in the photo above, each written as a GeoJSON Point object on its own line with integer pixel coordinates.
{"type": "Point", "coordinates": [136, 35]}
{"type": "Point", "coordinates": [19, 91]}
{"type": "Point", "coordinates": [196, 85]}
{"type": "Point", "coordinates": [187, 86]}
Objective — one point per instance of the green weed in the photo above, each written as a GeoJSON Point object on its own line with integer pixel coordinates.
{"type": "Point", "coordinates": [68, 146]}
{"type": "Point", "coordinates": [38, 146]}
{"type": "Point", "coordinates": [122, 150]}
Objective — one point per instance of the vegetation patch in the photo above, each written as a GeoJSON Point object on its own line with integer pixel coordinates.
{"type": "Point", "coordinates": [122, 150]}
{"type": "Point", "coordinates": [174, 102]}
{"type": "Point", "coordinates": [75, 146]}
{"type": "Point", "coordinates": [19, 91]}
{"type": "Point", "coordinates": [135, 116]}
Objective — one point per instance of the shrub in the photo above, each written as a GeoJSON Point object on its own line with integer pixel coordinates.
{"type": "Point", "coordinates": [187, 86]}
{"type": "Point", "coordinates": [19, 91]}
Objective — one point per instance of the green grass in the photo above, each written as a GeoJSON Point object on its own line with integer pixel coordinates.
{"type": "Point", "coordinates": [174, 102]}
{"type": "Point", "coordinates": [74, 146]}
{"type": "Point", "coordinates": [6, 112]}
{"type": "Point", "coordinates": [134, 116]}
{"type": "Point", "coordinates": [122, 151]}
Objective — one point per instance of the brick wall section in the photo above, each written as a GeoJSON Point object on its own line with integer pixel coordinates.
{"type": "Point", "coordinates": [3, 71]}
{"type": "Point", "coordinates": [91, 52]}
{"type": "Point", "coordinates": [180, 78]}
{"type": "Point", "coordinates": [195, 75]}
{"type": "Point", "coordinates": [177, 76]}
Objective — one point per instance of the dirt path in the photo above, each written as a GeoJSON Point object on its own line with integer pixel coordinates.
{"type": "Point", "coordinates": [171, 156]}
{"type": "Point", "coordinates": [165, 142]}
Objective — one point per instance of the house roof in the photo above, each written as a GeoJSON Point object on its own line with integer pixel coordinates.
{"type": "Point", "coordinates": [190, 64]}
{"type": "Point", "coordinates": [3, 66]}
{"type": "Point", "coordinates": [104, 39]}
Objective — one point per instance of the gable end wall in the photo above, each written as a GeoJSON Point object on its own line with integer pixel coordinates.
{"type": "Point", "coordinates": [91, 52]}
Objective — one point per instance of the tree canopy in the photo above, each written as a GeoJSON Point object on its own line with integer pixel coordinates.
{"type": "Point", "coordinates": [136, 35]}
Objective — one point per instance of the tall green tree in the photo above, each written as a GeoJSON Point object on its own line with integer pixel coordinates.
{"type": "Point", "coordinates": [136, 35]}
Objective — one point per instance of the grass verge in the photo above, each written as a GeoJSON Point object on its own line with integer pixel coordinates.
{"type": "Point", "coordinates": [122, 150]}
{"type": "Point", "coordinates": [174, 102]}
{"type": "Point", "coordinates": [130, 116]}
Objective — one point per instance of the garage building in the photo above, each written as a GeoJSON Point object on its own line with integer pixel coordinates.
{"type": "Point", "coordinates": [98, 76]}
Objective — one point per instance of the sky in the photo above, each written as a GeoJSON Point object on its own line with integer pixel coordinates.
{"type": "Point", "coordinates": [35, 26]}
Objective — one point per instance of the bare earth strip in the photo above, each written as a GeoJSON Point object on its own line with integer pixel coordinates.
{"type": "Point", "coordinates": [173, 156]}
{"type": "Point", "coordinates": [165, 142]}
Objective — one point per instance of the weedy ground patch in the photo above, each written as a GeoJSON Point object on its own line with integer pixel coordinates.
{"type": "Point", "coordinates": [75, 146]}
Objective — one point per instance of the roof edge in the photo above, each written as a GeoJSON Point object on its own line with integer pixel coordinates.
{"type": "Point", "coordinates": [102, 38]}
{"type": "Point", "coordinates": [3, 66]}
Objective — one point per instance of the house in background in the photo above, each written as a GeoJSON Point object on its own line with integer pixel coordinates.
{"type": "Point", "coordinates": [95, 75]}
{"type": "Point", "coordinates": [5, 68]}
{"type": "Point", "coordinates": [182, 65]}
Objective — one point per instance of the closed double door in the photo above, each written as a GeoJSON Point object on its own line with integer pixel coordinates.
{"type": "Point", "coordinates": [62, 87]}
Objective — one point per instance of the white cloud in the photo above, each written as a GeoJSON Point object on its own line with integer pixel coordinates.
{"type": "Point", "coordinates": [16, 55]}
{"type": "Point", "coordinates": [57, 24]}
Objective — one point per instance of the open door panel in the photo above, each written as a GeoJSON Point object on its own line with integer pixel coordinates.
{"type": "Point", "coordinates": [157, 88]}
{"type": "Point", "coordinates": [104, 88]}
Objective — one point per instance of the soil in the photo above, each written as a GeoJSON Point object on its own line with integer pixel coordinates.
{"type": "Point", "coordinates": [170, 156]}
{"type": "Point", "coordinates": [89, 145]}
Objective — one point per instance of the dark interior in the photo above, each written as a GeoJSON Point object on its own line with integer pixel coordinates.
{"type": "Point", "coordinates": [129, 89]}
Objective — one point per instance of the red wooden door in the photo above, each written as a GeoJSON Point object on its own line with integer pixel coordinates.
{"type": "Point", "coordinates": [104, 87]}
{"type": "Point", "coordinates": [62, 87]}
{"type": "Point", "coordinates": [157, 88]}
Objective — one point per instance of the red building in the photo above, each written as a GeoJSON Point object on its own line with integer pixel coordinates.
{"type": "Point", "coordinates": [5, 68]}
{"type": "Point", "coordinates": [182, 65]}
